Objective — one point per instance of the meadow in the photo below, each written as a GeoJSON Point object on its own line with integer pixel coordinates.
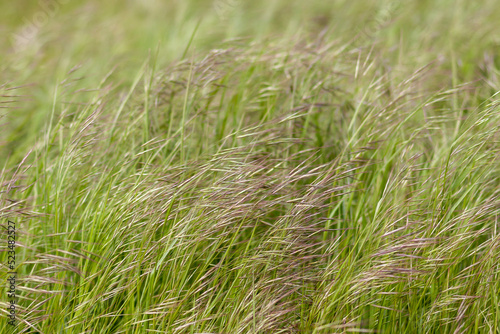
{"type": "Point", "coordinates": [240, 167]}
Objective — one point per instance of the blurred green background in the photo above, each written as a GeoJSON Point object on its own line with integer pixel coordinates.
{"type": "Point", "coordinates": [42, 40]}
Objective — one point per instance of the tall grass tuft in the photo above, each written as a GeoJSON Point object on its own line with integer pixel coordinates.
{"type": "Point", "coordinates": [298, 185]}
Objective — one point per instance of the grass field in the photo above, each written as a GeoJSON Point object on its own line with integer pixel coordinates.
{"type": "Point", "coordinates": [237, 166]}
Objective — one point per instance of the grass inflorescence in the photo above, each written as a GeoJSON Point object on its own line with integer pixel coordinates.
{"type": "Point", "coordinates": [322, 181]}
